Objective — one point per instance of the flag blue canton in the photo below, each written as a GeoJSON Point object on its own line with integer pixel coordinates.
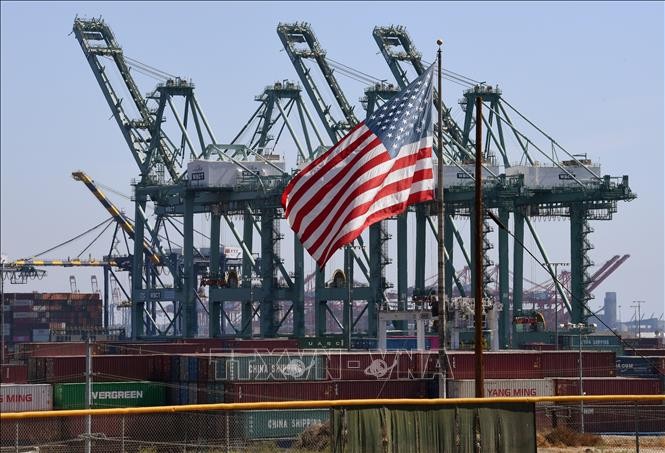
{"type": "Point", "coordinates": [407, 117]}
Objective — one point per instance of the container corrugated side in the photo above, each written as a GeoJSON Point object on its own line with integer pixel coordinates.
{"type": "Point", "coordinates": [280, 424]}
{"type": "Point", "coordinates": [109, 394]}
{"type": "Point", "coordinates": [380, 390]}
{"type": "Point", "coordinates": [14, 374]}
{"type": "Point", "coordinates": [566, 363]}
{"type": "Point", "coordinates": [608, 386]}
{"type": "Point", "coordinates": [639, 366]}
{"type": "Point", "coordinates": [252, 392]}
{"type": "Point", "coordinates": [281, 366]}
{"type": "Point", "coordinates": [510, 388]}
{"type": "Point", "coordinates": [498, 365]}
{"type": "Point", "coordinates": [25, 397]}
{"type": "Point", "coordinates": [372, 365]}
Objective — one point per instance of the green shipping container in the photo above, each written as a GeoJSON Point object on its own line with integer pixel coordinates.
{"type": "Point", "coordinates": [600, 342]}
{"type": "Point", "coordinates": [281, 424]}
{"type": "Point", "coordinates": [109, 394]}
{"type": "Point", "coordinates": [271, 367]}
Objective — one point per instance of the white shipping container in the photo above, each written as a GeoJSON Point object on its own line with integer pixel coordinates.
{"type": "Point", "coordinates": [224, 174]}
{"type": "Point", "coordinates": [208, 173]}
{"type": "Point", "coordinates": [511, 388]}
{"type": "Point", "coordinates": [26, 397]}
{"type": "Point", "coordinates": [549, 177]}
{"type": "Point", "coordinates": [462, 175]}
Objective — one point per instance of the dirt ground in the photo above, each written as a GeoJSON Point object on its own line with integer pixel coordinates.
{"type": "Point", "coordinates": [615, 444]}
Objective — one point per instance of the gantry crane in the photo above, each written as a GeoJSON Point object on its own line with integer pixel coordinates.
{"type": "Point", "coordinates": [163, 180]}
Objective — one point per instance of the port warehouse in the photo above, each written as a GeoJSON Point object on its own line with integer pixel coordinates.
{"type": "Point", "coordinates": [49, 376]}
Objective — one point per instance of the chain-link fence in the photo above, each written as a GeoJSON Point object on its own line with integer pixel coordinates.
{"type": "Point", "coordinates": [591, 426]}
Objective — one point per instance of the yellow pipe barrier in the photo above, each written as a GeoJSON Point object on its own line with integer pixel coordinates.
{"type": "Point", "coordinates": [324, 404]}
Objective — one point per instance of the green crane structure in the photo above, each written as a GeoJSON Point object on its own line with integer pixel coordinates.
{"type": "Point", "coordinates": [266, 289]}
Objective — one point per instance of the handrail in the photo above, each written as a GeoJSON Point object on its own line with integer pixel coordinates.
{"type": "Point", "coordinates": [323, 404]}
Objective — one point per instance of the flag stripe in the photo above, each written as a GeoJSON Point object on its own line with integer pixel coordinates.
{"type": "Point", "coordinates": [376, 216]}
{"type": "Point", "coordinates": [363, 191]}
{"type": "Point", "coordinates": [373, 155]}
{"type": "Point", "coordinates": [379, 168]}
{"type": "Point", "coordinates": [352, 135]}
{"type": "Point", "coordinates": [327, 162]}
{"type": "Point", "coordinates": [354, 215]}
{"type": "Point", "coordinates": [324, 201]}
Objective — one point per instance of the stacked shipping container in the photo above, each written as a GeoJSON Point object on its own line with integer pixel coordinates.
{"type": "Point", "coordinates": [31, 316]}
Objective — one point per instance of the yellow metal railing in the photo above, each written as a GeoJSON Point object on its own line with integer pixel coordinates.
{"type": "Point", "coordinates": [325, 404]}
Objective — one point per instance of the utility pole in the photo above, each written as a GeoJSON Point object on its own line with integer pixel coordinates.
{"type": "Point", "coordinates": [88, 394]}
{"type": "Point", "coordinates": [638, 319]}
{"type": "Point", "coordinates": [556, 302]}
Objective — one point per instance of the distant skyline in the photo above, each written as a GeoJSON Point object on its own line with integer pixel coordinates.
{"type": "Point", "coordinates": [591, 74]}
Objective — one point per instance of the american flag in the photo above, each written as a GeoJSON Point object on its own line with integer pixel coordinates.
{"type": "Point", "coordinates": [379, 168]}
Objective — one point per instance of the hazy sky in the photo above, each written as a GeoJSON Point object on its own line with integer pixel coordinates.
{"type": "Point", "coordinates": [590, 74]}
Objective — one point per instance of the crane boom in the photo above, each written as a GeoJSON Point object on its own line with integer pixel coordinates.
{"type": "Point", "coordinates": [122, 220]}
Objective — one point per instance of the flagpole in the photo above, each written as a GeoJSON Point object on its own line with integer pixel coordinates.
{"type": "Point", "coordinates": [441, 297]}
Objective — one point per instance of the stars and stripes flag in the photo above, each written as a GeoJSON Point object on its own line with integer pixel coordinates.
{"type": "Point", "coordinates": [379, 168]}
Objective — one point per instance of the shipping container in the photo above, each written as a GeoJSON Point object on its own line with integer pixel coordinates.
{"type": "Point", "coordinates": [210, 393]}
{"type": "Point", "coordinates": [639, 366]}
{"type": "Point", "coordinates": [25, 397]}
{"type": "Point", "coordinates": [608, 386]}
{"type": "Point", "coordinates": [251, 346]}
{"type": "Point", "coordinates": [328, 342]}
{"type": "Point", "coordinates": [567, 363]}
{"type": "Point", "coordinates": [109, 394]}
{"type": "Point", "coordinates": [655, 352]}
{"type": "Point", "coordinates": [594, 341]}
{"type": "Point", "coordinates": [14, 374]}
{"type": "Point", "coordinates": [281, 366]}
{"type": "Point", "coordinates": [498, 365]}
{"type": "Point", "coordinates": [280, 424]}
{"type": "Point", "coordinates": [250, 392]}
{"type": "Point", "coordinates": [107, 368]}
{"type": "Point", "coordinates": [511, 388]}
{"type": "Point", "coordinates": [416, 388]}
{"type": "Point", "coordinates": [374, 365]}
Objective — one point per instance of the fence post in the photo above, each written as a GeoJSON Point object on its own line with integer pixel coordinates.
{"type": "Point", "coordinates": [122, 435]}
{"type": "Point", "coordinates": [226, 415]}
{"type": "Point", "coordinates": [637, 430]}
{"type": "Point", "coordinates": [16, 438]}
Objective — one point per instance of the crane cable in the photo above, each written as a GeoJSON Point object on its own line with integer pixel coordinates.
{"type": "Point", "coordinates": [110, 219]}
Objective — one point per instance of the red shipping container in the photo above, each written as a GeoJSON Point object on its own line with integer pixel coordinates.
{"type": "Point", "coordinates": [498, 365]}
{"type": "Point", "coordinates": [566, 363]}
{"type": "Point", "coordinates": [14, 374]}
{"type": "Point", "coordinates": [105, 368]}
{"type": "Point", "coordinates": [248, 346]}
{"type": "Point", "coordinates": [343, 390]}
{"type": "Point", "coordinates": [376, 365]}
{"type": "Point", "coordinates": [608, 386]}
{"type": "Point", "coordinates": [253, 392]}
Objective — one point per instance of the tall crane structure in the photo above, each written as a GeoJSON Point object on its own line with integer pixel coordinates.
{"type": "Point", "coordinates": [586, 197]}
{"type": "Point", "coordinates": [168, 154]}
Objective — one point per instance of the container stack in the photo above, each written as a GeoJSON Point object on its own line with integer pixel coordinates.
{"type": "Point", "coordinates": [32, 316]}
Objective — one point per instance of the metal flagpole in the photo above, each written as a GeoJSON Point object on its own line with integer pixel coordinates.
{"type": "Point", "coordinates": [441, 297]}
{"type": "Point", "coordinates": [478, 257]}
